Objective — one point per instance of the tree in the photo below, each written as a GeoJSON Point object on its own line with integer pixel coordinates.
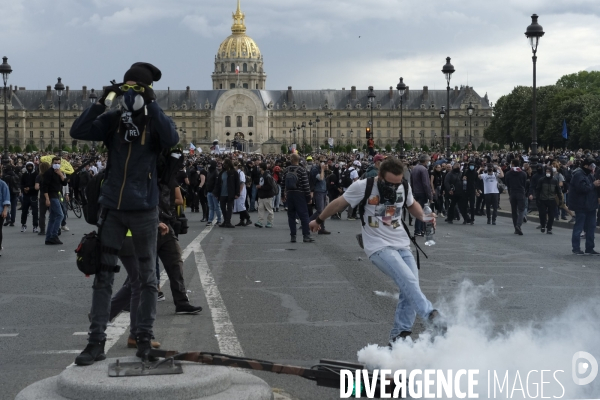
{"type": "Point", "coordinates": [28, 148]}
{"type": "Point", "coordinates": [11, 149]}
{"type": "Point", "coordinates": [481, 147]}
{"type": "Point", "coordinates": [49, 148]}
{"type": "Point", "coordinates": [308, 149]}
{"type": "Point", "coordinates": [34, 147]}
{"type": "Point", "coordinates": [388, 148]}
{"type": "Point", "coordinates": [18, 149]}
{"type": "Point", "coordinates": [408, 147]}
{"type": "Point", "coordinates": [86, 148]}
{"type": "Point", "coordinates": [349, 148]}
{"type": "Point", "coordinates": [495, 147]}
{"type": "Point", "coordinates": [425, 148]}
{"type": "Point", "coordinates": [55, 150]}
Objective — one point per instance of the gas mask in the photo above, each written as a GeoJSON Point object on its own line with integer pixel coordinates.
{"type": "Point", "coordinates": [132, 101]}
{"type": "Point", "coordinates": [387, 191]}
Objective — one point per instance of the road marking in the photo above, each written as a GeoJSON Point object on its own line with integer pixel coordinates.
{"type": "Point", "coordinates": [8, 334]}
{"type": "Point", "coordinates": [80, 333]}
{"type": "Point", "coordinates": [225, 333]}
{"type": "Point", "coordinates": [58, 352]}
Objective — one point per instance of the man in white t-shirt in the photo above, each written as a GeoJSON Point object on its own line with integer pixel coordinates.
{"type": "Point", "coordinates": [386, 243]}
{"type": "Point", "coordinates": [490, 190]}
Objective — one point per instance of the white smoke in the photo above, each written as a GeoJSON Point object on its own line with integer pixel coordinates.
{"type": "Point", "coordinates": [474, 342]}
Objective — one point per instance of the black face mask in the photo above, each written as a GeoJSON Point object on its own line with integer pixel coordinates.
{"type": "Point", "coordinates": [387, 191]}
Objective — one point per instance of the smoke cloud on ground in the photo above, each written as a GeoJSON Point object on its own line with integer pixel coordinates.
{"type": "Point", "coordinates": [473, 341]}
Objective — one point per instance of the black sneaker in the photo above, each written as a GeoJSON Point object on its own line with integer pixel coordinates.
{"type": "Point", "coordinates": [401, 336]}
{"type": "Point", "coordinates": [144, 345]}
{"type": "Point", "coordinates": [94, 351]}
{"type": "Point", "coordinates": [518, 231]}
{"type": "Point", "coordinates": [592, 253]}
{"type": "Point", "coordinates": [578, 253]}
{"type": "Point", "coordinates": [437, 323]}
{"type": "Point", "coordinates": [489, 221]}
{"type": "Point", "coordinates": [307, 239]}
{"type": "Point", "coordinates": [293, 240]}
{"type": "Point", "coordinates": [543, 230]}
{"type": "Point", "coordinates": [161, 296]}
{"type": "Point", "coordinates": [187, 309]}
{"type": "Point", "coordinates": [494, 222]}
{"type": "Point", "coordinates": [42, 232]}
{"type": "Point", "coordinates": [549, 232]}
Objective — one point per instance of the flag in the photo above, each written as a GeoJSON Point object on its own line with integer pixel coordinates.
{"type": "Point", "coordinates": [564, 131]}
{"type": "Point", "coordinates": [237, 69]}
{"type": "Point", "coordinates": [192, 147]}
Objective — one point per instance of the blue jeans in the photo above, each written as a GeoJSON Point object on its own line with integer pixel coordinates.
{"type": "Point", "coordinates": [214, 208]}
{"type": "Point", "coordinates": [584, 221]}
{"type": "Point", "coordinates": [55, 218]}
{"type": "Point", "coordinates": [144, 230]}
{"type": "Point", "coordinates": [400, 265]}
{"type": "Point", "coordinates": [296, 202]}
{"type": "Point", "coordinates": [320, 199]}
{"type": "Point", "coordinates": [13, 208]}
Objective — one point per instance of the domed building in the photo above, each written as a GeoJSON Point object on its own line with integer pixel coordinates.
{"type": "Point", "coordinates": [239, 64]}
{"type": "Point", "coordinates": [239, 109]}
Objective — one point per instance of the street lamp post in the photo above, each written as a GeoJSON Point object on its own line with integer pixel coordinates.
{"type": "Point", "coordinates": [470, 110]}
{"type": "Point", "coordinates": [448, 70]}
{"type": "Point", "coordinates": [401, 89]}
{"type": "Point", "coordinates": [303, 137]}
{"type": "Point", "coordinates": [93, 99]}
{"type": "Point", "coordinates": [442, 115]}
{"type": "Point", "coordinates": [317, 125]}
{"type": "Point", "coordinates": [59, 87]}
{"type": "Point", "coordinates": [294, 130]}
{"type": "Point", "coordinates": [534, 33]}
{"type": "Point", "coordinates": [371, 96]}
{"type": "Point", "coordinates": [5, 69]}
{"type": "Point", "coordinates": [310, 124]}
{"type": "Point", "coordinates": [330, 116]}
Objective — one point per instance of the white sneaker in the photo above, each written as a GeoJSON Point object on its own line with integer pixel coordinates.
{"type": "Point", "coordinates": [64, 228]}
{"type": "Point", "coordinates": [23, 228]}
{"type": "Point", "coordinates": [36, 229]}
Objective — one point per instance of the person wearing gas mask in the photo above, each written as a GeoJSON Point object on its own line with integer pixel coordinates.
{"type": "Point", "coordinates": [546, 192]}
{"type": "Point", "coordinates": [387, 244]}
{"type": "Point", "coordinates": [134, 135]}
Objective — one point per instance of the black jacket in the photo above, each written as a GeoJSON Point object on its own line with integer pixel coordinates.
{"type": "Point", "coordinates": [28, 181]}
{"type": "Point", "coordinates": [211, 181]}
{"type": "Point", "coordinates": [131, 182]}
{"type": "Point", "coordinates": [52, 184]}
{"type": "Point", "coordinates": [233, 185]}
{"type": "Point", "coordinates": [515, 182]}
{"type": "Point", "coordinates": [454, 179]}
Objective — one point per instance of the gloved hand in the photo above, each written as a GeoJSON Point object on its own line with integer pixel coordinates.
{"type": "Point", "coordinates": [116, 87]}
{"type": "Point", "coordinates": [148, 93]}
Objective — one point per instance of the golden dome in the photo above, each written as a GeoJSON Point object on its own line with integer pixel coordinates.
{"type": "Point", "coordinates": [238, 45]}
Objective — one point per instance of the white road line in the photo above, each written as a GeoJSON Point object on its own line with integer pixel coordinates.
{"type": "Point", "coordinates": [58, 352]}
{"type": "Point", "coordinates": [80, 333]}
{"type": "Point", "coordinates": [226, 336]}
{"type": "Point", "coordinates": [9, 334]}
{"type": "Point", "coordinates": [115, 330]}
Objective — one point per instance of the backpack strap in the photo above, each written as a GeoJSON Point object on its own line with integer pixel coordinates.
{"type": "Point", "coordinates": [412, 238]}
{"type": "Point", "coordinates": [363, 202]}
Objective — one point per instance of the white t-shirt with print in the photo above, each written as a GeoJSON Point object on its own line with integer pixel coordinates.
{"type": "Point", "coordinates": [490, 183]}
{"type": "Point", "coordinates": [383, 227]}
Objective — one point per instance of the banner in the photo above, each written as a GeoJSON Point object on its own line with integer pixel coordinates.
{"type": "Point", "coordinates": [330, 141]}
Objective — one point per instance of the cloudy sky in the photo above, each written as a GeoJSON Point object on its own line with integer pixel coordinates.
{"type": "Point", "coordinates": [308, 44]}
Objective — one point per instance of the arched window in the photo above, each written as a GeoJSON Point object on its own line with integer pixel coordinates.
{"type": "Point", "coordinates": [250, 122]}
{"type": "Point", "coordinates": [255, 68]}
{"type": "Point", "coordinates": [222, 67]}
{"type": "Point", "coordinates": [232, 67]}
{"type": "Point", "coordinates": [227, 122]}
{"type": "Point", "coordinates": [238, 121]}
{"type": "Point", "coordinates": [245, 67]}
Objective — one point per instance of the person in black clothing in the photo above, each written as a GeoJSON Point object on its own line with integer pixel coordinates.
{"type": "Point", "coordinates": [213, 201]}
{"type": "Point", "coordinates": [84, 179]}
{"type": "Point", "coordinates": [533, 200]}
{"type": "Point", "coordinates": [454, 187]}
{"type": "Point", "coordinates": [297, 198]}
{"type": "Point", "coordinates": [201, 192]}
{"type": "Point", "coordinates": [193, 176]}
{"type": "Point", "coordinates": [255, 175]}
{"type": "Point", "coordinates": [30, 197]}
{"type": "Point", "coordinates": [438, 182]}
{"type": "Point", "coordinates": [470, 174]}
{"type": "Point", "coordinates": [227, 189]}
{"type": "Point", "coordinates": [53, 181]}
{"type": "Point", "coordinates": [515, 181]}
{"type": "Point", "coordinates": [546, 193]}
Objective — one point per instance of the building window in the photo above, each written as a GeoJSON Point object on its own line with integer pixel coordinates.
{"type": "Point", "coordinates": [389, 124]}
{"type": "Point", "coordinates": [232, 86]}
{"type": "Point", "coordinates": [348, 124]}
{"type": "Point", "coordinates": [284, 124]}
{"type": "Point", "coordinates": [183, 124]}
{"type": "Point", "coordinates": [433, 124]}
{"type": "Point", "coordinates": [326, 124]}
{"type": "Point", "coordinates": [358, 124]}
{"type": "Point", "coordinates": [222, 67]}
{"type": "Point", "coordinates": [250, 122]}
{"type": "Point", "coordinates": [339, 124]}
{"type": "Point", "coordinates": [271, 124]}
{"type": "Point", "coordinates": [379, 124]}
{"type": "Point", "coordinates": [41, 124]}
{"type": "Point", "coordinates": [51, 134]}
{"type": "Point", "coordinates": [245, 67]}
{"type": "Point", "coordinates": [412, 124]}
{"type": "Point", "coordinates": [227, 122]}
{"type": "Point", "coordinates": [422, 123]}
{"type": "Point", "coordinates": [232, 67]}
{"type": "Point", "coordinates": [245, 86]}
{"type": "Point", "coordinates": [238, 121]}
{"type": "Point", "coordinates": [31, 134]}
{"type": "Point", "coordinates": [31, 124]}
{"type": "Point", "coordinates": [220, 86]}
{"type": "Point", "coordinates": [41, 134]}
{"type": "Point", "coordinates": [16, 124]}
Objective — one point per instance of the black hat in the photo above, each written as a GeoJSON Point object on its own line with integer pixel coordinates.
{"type": "Point", "coordinates": [142, 72]}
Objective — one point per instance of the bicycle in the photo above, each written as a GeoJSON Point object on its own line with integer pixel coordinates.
{"type": "Point", "coordinates": [75, 205]}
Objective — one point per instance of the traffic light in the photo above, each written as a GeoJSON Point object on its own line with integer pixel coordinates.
{"type": "Point", "coordinates": [368, 132]}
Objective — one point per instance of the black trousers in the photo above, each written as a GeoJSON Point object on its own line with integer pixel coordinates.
{"type": "Point", "coordinates": [296, 203]}
{"type": "Point", "coordinates": [480, 203]}
{"type": "Point", "coordinates": [203, 202]}
{"type": "Point", "coordinates": [491, 200]}
{"type": "Point", "coordinates": [226, 209]}
{"type": "Point", "coordinates": [169, 252]}
{"type": "Point", "coordinates": [470, 198]}
{"type": "Point", "coordinates": [461, 202]}
{"type": "Point", "coordinates": [546, 209]}
{"type": "Point", "coordinates": [29, 201]}
{"type": "Point", "coordinates": [517, 208]}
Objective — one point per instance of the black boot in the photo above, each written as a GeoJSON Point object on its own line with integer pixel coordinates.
{"type": "Point", "coordinates": [94, 351]}
{"type": "Point", "coordinates": [144, 345]}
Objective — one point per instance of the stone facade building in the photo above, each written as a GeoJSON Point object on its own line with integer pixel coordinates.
{"type": "Point", "coordinates": [240, 107]}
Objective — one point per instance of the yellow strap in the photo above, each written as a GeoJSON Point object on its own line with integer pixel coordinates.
{"type": "Point", "coordinates": [128, 233]}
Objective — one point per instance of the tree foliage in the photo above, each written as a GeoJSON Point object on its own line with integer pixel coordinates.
{"type": "Point", "coordinates": [575, 98]}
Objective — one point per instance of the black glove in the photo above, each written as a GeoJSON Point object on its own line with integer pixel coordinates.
{"type": "Point", "coordinates": [115, 87]}
{"type": "Point", "coordinates": [148, 93]}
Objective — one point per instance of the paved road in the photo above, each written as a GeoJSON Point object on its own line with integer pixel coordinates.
{"type": "Point", "coordinates": [288, 303]}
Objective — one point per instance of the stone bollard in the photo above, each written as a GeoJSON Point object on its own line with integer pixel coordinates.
{"type": "Point", "coordinates": [198, 382]}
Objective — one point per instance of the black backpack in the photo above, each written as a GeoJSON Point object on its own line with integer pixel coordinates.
{"type": "Point", "coordinates": [346, 180]}
{"type": "Point", "coordinates": [361, 213]}
{"type": "Point", "coordinates": [89, 255]}
{"type": "Point", "coordinates": [291, 178]}
{"type": "Point", "coordinates": [89, 202]}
